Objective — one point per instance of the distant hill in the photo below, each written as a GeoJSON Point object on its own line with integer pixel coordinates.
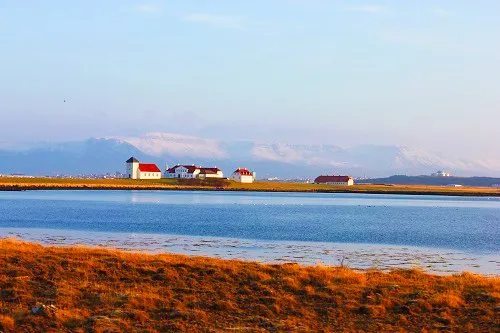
{"type": "Point", "coordinates": [268, 159]}
{"type": "Point", "coordinates": [91, 156]}
{"type": "Point", "coordinates": [428, 180]}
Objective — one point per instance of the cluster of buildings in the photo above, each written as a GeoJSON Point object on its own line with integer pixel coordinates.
{"type": "Point", "coordinates": [192, 171]}
{"type": "Point", "coordinates": [138, 170]}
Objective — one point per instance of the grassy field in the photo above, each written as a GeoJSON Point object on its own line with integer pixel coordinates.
{"type": "Point", "coordinates": [194, 184]}
{"type": "Point", "coordinates": [54, 289]}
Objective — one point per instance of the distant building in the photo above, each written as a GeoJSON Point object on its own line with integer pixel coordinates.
{"type": "Point", "coordinates": [441, 173]}
{"type": "Point", "coordinates": [243, 175]}
{"type": "Point", "coordinates": [210, 173]}
{"type": "Point", "coordinates": [182, 171]}
{"type": "Point", "coordinates": [335, 180]}
{"type": "Point", "coordinates": [193, 171]}
{"type": "Point", "coordinates": [272, 179]}
{"type": "Point", "coordinates": [137, 170]}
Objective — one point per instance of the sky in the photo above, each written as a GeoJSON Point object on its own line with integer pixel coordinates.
{"type": "Point", "coordinates": [419, 73]}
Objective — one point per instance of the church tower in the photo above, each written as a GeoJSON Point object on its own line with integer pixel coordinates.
{"type": "Point", "coordinates": [132, 168]}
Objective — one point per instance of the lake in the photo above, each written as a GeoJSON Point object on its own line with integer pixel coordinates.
{"type": "Point", "coordinates": [438, 233]}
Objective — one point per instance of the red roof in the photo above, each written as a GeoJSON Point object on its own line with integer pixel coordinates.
{"type": "Point", "coordinates": [243, 172]}
{"type": "Point", "coordinates": [332, 179]}
{"type": "Point", "coordinates": [190, 168]}
{"type": "Point", "coordinates": [209, 170]}
{"type": "Point", "coordinates": [148, 168]}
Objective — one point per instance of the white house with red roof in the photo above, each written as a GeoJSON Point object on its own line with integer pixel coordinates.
{"type": "Point", "coordinates": [210, 173]}
{"type": "Point", "coordinates": [182, 171]}
{"type": "Point", "coordinates": [243, 175]}
{"type": "Point", "coordinates": [137, 170]}
{"type": "Point", "coordinates": [335, 180]}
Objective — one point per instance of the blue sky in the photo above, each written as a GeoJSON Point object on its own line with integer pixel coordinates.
{"type": "Point", "coordinates": [418, 73]}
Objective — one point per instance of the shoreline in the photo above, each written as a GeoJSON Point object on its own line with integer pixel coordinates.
{"type": "Point", "coordinates": [83, 289]}
{"type": "Point", "coordinates": [357, 256]}
{"type": "Point", "coordinates": [53, 184]}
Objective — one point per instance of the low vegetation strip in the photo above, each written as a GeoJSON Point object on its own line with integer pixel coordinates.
{"type": "Point", "coordinates": [21, 184]}
{"type": "Point", "coordinates": [76, 289]}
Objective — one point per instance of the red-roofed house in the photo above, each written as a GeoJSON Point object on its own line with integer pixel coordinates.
{"type": "Point", "coordinates": [182, 171]}
{"type": "Point", "coordinates": [210, 173]}
{"type": "Point", "coordinates": [193, 171]}
{"type": "Point", "coordinates": [335, 180]}
{"type": "Point", "coordinates": [137, 170]}
{"type": "Point", "coordinates": [243, 175]}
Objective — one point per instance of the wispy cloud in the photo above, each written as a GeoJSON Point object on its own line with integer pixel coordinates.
{"type": "Point", "coordinates": [220, 21]}
{"type": "Point", "coordinates": [433, 42]}
{"type": "Point", "coordinates": [375, 9]}
{"type": "Point", "coordinates": [148, 8]}
{"type": "Point", "coordinates": [438, 11]}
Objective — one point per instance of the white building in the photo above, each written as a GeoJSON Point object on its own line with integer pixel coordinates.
{"type": "Point", "coordinates": [242, 175]}
{"type": "Point", "coordinates": [335, 180]}
{"type": "Point", "coordinates": [137, 170]}
{"type": "Point", "coordinates": [182, 171]}
{"type": "Point", "coordinates": [210, 173]}
{"type": "Point", "coordinates": [193, 171]}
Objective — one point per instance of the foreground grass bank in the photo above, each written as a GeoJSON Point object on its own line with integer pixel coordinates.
{"type": "Point", "coordinates": [19, 184]}
{"type": "Point", "coordinates": [44, 289]}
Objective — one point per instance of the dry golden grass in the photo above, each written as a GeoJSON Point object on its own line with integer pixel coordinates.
{"type": "Point", "coordinates": [96, 290]}
{"type": "Point", "coordinates": [7, 183]}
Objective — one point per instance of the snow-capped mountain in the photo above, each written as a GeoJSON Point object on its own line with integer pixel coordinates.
{"type": "Point", "coordinates": [284, 160]}
{"type": "Point", "coordinates": [166, 144]}
{"type": "Point", "coordinates": [309, 159]}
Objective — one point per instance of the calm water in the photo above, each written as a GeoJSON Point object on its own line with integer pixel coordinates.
{"type": "Point", "coordinates": [469, 225]}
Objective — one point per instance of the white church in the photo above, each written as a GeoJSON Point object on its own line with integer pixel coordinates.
{"type": "Point", "coordinates": [137, 170]}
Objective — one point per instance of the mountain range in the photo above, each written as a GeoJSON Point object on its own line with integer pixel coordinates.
{"type": "Point", "coordinates": [283, 160]}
